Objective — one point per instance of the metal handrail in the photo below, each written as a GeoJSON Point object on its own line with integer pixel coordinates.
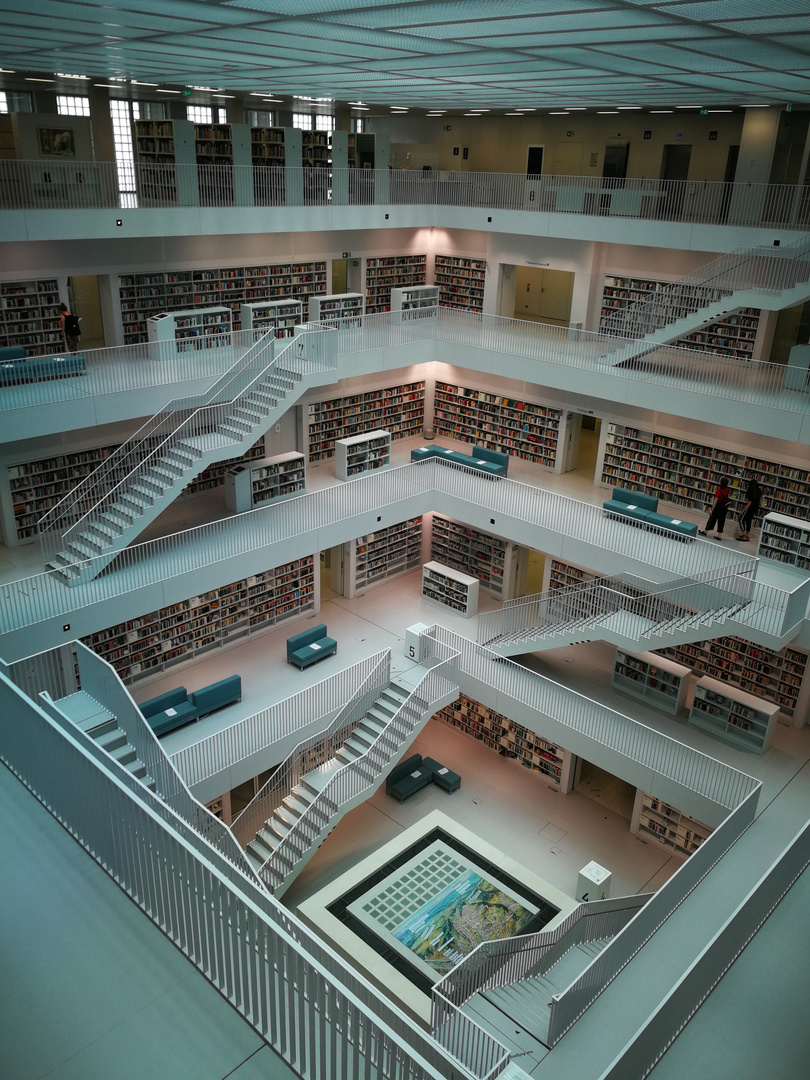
{"type": "Point", "coordinates": [315, 750]}
{"type": "Point", "coordinates": [26, 184]}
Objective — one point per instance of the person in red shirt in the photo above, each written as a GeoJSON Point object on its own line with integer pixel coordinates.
{"type": "Point", "coordinates": [717, 518]}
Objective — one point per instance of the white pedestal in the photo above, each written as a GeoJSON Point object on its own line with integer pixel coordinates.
{"type": "Point", "coordinates": [413, 646]}
{"type": "Point", "coordinates": [593, 882]}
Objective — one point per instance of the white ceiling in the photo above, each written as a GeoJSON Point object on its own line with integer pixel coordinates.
{"type": "Point", "coordinates": [496, 54]}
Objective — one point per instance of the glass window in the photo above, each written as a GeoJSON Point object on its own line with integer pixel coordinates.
{"type": "Point", "coordinates": [302, 121]}
{"type": "Point", "coordinates": [69, 105]}
{"type": "Point", "coordinates": [149, 110]}
{"type": "Point", "coordinates": [15, 101]}
{"type": "Point", "coordinates": [357, 124]}
{"type": "Point", "coordinates": [324, 123]}
{"type": "Point", "coordinates": [259, 118]}
{"type": "Point", "coordinates": [124, 154]}
{"type": "Point", "coordinates": [200, 114]}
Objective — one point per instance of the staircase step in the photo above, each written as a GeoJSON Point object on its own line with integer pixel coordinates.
{"type": "Point", "coordinates": [138, 494]}
{"type": "Point", "coordinates": [110, 739]}
{"type": "Point", "coordinates": [276, 826]}
{"type": "Point", "coordinates": [529, 1012]}
{"type": "Point", "coordinates": [500, 1025]}
{"type": "Point", "coordinates": [265, 842]}
{"type": "Point", "coordinates": [124, 754]}
{"type": "Point", "coordinates": [381, 715]}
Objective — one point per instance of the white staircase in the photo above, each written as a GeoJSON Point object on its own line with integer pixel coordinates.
{"type": "Point", "coordinates": [519, 1008]}
{"type": "Point", "coordinates": [763, 277]}
{"type": "Point", "coordinates": [318, 800]}
{"type": "Point", "coordinates": [619, 610]}
{"type": "Point", "coordinates": [107, 510]}
{"type": "Point", "coordinates": [99, 724]}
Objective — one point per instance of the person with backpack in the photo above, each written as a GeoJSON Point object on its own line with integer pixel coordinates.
{"type": "Point", "coordinates": [71, 331]}
{"type": "Point", "coordinates": [718, 515]}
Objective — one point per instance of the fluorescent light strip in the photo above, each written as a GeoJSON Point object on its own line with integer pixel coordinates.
{"type": "Point", "coordinates": [27, 79]}
{"type": "Point", "coordinates": [559, 113]}
{"type": "Point", "coordinates": [606, 112]}
{"type": "Point", "coordinates": [357, 108]}
{"type": "Point", "coordinates": [135, 82]}
{"type": "Point", "coordinates": [719, 110]}
{"type": "Point", "coordinates": [224, 95]}
{"type": "Point", "coordinates": [660, 112]}
{"type": "Point", "coordinates": [628, 107]}
{"type": "Point", "coordinates": [170, 91]}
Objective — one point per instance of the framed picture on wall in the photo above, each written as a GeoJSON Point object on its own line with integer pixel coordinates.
{"type": "Point", "coordinates": [56, 142]}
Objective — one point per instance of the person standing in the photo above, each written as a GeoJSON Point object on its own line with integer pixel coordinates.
{"type": "Point", "coordinates": [753, 500]}
{"type": "Point", "coordinates": [719, 510]}
{"type": "Point", "coordinates": [71, 330]}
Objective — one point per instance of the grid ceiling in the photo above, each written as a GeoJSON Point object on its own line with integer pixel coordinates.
{"type": "Point", "coordinates": [496, 54]}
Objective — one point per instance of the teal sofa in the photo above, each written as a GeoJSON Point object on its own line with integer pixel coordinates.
{"type": "Point", "coordinates": [416, 772]}
{"type": "Point", "coordinates": [177, 707]}
{"type": "Point", "coordinates": [638, 507]}
{"type": "Point", "coordinates": [310, 646]}
{"type": "Point", "coordinates": [40, 369]}
{"type": "Point", "coordinates": [482, 459]}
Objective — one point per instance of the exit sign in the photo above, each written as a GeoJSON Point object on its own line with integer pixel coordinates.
{"type": "Point", "coordinates": [347, 254]}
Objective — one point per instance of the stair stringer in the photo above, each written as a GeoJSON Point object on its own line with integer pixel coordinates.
{"type": "Point", "coordinates": [278, 880]}
{"type": "Point", "coordinates": [75, 566]}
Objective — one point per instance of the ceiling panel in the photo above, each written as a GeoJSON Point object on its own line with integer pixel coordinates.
{"type": "Point", "coordinates": [430, 53]}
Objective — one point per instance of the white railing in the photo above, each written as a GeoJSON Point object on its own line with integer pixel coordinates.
{"type": "Point", "coordinates": [508, 960]}
{"type": "Point", "coordinates": [300, 997]}
{"type": "Point", "coordinates": [655, 608]}
{"type": "Point", "coordinates": [119, 369]}
{"type": "Point", "coordinates": [94, 185]}
{"type": "Point", "coordinates": [315, 750]}
{"type": "Point", "coordinates": [692, 989]}
{"type": "Point", "coordinates": [246, 738]}
{"type": "Point", "coordinates": [354, 779]}
{"type": "Point", "coordinates": [711, 779]}
{"type": "Point", "coordinates": [759, 270]}
{"type": "Point", "coordinates": [677, 367]}
{"type": "Point", "coordinates": [177, 422]}
{"type": "Point", "coordinates": [567, 1007]}
{"type": "Point", "coordinates": [407, 490]}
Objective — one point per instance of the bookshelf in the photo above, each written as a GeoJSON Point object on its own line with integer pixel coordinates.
{"type": "Point", "coordinates": [361, 454]}
{"type": "Point", "coordinates": [400, 408]}
{"type": "Point", "coordinates": [773, 676]}
{"type": "Point", "coordinates": [387, 272]}
{"type": "Point", "coordinates": [786, 540]}
{"type": "Point", "coordinates": [273, 151]}
{"type": "Point", "coordinates": [660, 682]}
{"type": "Point", "coordinates": [482, 556]}
{"type": "Point", "coordinates": [460, 281]}
{"type": "Point", "coordinates": [735, 717]}
{"type": "Point", "coordinates": [524, 429]}
{"type": "Point", "coordinates": [372, 559]}
{"type": "Point", "coordinates": [417, 302]}
{"type": "Point", "coordinates": [143, 295]}
{"type": "Point", "coordinates": [684, 473]}
{"type": "Point", "coordinates": [562, 574]}
{"type": "Point", "coordinates": [339, 309]}
{"type": "Point", "coordinates": [182, 631]}
{"type": "Point", "coordinates": [214, 146]}
{"type": "Point", "coordinates": [443, 585]}
{"type": "Point", "coordinates": [667, 825]}
{"type": "Point", "coordinates": [511, 740]}
{"type": "Point", "coordinates": [280, 316]}
{"type": "Point", "coordinates": [256, 482]}
{"type": "Point", "coordinates": [198, 328]}
{"type": "Point", "coordinates": [160, 147]}
{"type": "Point", "coordinates": [31, 316]}
{"type": "Point", "coordinates": [733, 336]}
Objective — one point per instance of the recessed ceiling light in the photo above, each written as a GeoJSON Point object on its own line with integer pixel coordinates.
{"type": "Point", "coordinates": [719, 110]}
{"type": "Point", "coordinates": [553, 113]}
{"type": "Point", "coordinates": [224, 95]}
{"type": "Point", "coordinates": [472, 114]}
{"type": "Point", "coordinates": [107, 86]}
{"type": "Point", "coordinates": [278, 100]}
{"type": "Point", "coordinates": [169, 91]}
{"type": "Point", "coordinates": [29, 79]}
{"type": "Point", "coordinates": [136, 83]}
{"type": "Point", "coordinates": [606, 112]}
{"type": "Point", "coordinates": [8, 71]}
{"type": "Point", "coordinates": [654, 112]}
{"type": "Point", "coordinates": [514, 114]}
{"type": "Point", "coordinates": [755, 106]}
{"type": "Point", "coordinates": [525, 110]}
{"type": "Point", "coordinates": [576, 108]}
{"type": "Point", "coordinates": [628, 106]}
{"type": "Point", "coordinates": [688, 106]}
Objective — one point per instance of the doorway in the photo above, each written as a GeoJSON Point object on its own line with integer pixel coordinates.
{"type": "Point", "coordinates": [84, 301]}
{"type": "Point", "coordinates": [674, 171]}
{"type": "Point", "coordinates": [589, 435]}
{"type": "Point", "coordinates": [332, 572]}
{"type": "Point", "coordinates": [534, 161]}
{"type": "Point", "coordinates": [535, 572]}
{"type": "Point", "coordinates": [339, 276]}
{"type": "Point", "coordinates": [614, 166]}
{"type": "Point", "coordinates": [543, 295]}
{"type": "Point", "coordinates": [605, 788]}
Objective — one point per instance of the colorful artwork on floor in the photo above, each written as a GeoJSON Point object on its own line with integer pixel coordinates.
{"type": "Point", "coordinates": [469, 911]}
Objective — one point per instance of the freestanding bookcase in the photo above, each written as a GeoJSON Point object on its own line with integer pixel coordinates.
{"type": "Point", "coordinates": [256, 482]}
{"type": "Point", "coordinates": [451, 588]}
{"type": "Point", "coordinates": [362, 454]}
{"type": "Point", "coordinates": [738, 718]}
{"type": "Point", "coordinates": [660, 682]}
